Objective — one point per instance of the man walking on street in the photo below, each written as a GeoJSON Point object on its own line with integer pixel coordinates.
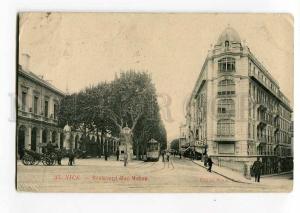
{"type": "Point", "coordinates": [117, 154]}
{"type": "Point", "coordinates": [71, 156]}
{"type": "Point", "coordinates": [163, 156]}
{"type": "Point", "coordinates": [59, 156]}
{"type": "Point", "coordinates": [168, 156]}
{"type": "Point", "coordinates": [125, 159]}
{"type": "Point", "coordinates": [257, 167]}
{"type": "Point", "coordinates": [205, 160]}
{"type": "Point", "coordinates": [105, 155]}
{"type": "Point", "coordinates": [169, 159]}
{"type": "Point", "coordinates": [210, 163]}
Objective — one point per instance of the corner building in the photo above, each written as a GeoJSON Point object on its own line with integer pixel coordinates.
{"type": "Point", "coordinates": [236, 111]}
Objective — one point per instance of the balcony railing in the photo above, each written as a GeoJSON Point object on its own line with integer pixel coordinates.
{"type": "Point", "coordinates": [263, 119]}
{"type": "Point", "coordinates": [262, 139]}
{"type": "Point", "coordinates": [219, 135]}
{"type": "Point", "coordinates": [36, 117]}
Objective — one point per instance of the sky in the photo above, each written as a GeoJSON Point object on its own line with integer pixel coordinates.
{"type": "Point", "coordinates": [75, 50]}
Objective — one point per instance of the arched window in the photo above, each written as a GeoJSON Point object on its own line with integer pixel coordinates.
{"type": "Point", "coordinates": [226, 107]}
{"type": "Point", "coordinates": [226, 64]}
{"type": "Point", "coordinates": [225, 127]}
{"type": "Point", "coordinates": [226, 87]}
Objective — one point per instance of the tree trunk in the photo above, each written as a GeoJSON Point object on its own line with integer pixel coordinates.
{"type": "Point", "coordinates": [102, 144]}
{"type": "Point", "coordinates": [98, 144]}
{"type": "Point", "coordinates": [137, 150]}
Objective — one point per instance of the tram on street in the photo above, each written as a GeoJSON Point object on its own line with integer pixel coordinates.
{"type": "Point", "coordinates": [153, 150]}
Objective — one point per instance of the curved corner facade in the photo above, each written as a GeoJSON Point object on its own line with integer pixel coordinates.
{"type": "Point", "coordinates": [236, 111]}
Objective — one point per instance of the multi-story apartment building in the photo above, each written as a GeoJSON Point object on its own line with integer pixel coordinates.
{"type": "Point", "coordinates": [37, 110]}
{"type": "Point", "coordinates": [237, 112]}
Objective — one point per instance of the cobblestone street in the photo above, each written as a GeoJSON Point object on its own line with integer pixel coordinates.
{"type": "Point", "coordinates": [98, 175]}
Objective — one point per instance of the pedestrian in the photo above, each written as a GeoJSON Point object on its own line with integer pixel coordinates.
{"type": "Point", "coordinates": [205, 160]}
{"type": "Point", "coordinates": [168, 156]}
{"type": "Point", "coordinates": [163, 156]}
{"type": "Point", "coordinates": [71, 158]}
{"type": "Point", "coordinates": [117, 154]}
{"type": "Point", "coordinates": [125, 159]}
{"type": "Point", "coordinates": [106, 155]}
{"type": "Point", "coordinates": [59, 156]}
{"type": "Point", "coordinates": [256, 168]}
{"type": "Point", "coordinates": [209, 163]}
{"type": "Point", "coordinates": [49, 147]}
{"type": "Point", "coordinates": [99, 150]}
{"type": "Point", "coordinates": [179, 154]}
{"type": "Point", "coordinates": [279, 167]}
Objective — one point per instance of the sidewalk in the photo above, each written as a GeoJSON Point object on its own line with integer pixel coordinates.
{"type": "Point", "coordinates": [226, 173]}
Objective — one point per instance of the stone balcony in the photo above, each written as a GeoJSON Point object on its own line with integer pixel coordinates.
{"type": "Point", "coordinates": [36, 117]}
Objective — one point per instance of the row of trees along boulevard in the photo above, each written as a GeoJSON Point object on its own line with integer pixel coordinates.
{"type": "Point", "coordinates": [129, 100]}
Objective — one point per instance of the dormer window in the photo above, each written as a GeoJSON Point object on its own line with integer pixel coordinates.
{"type": "Point", "coordinates": [226, 44]}
{"type": "Point", "coordinates": [226, 64]}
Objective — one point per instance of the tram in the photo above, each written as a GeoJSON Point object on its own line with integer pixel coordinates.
{"type": "Point", "coordinates": [153, 150]}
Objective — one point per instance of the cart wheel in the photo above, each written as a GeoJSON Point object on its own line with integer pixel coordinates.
{"type": "Point", "coordinates": [46, 161]}
{"type": "Point", "coordinates": [27, 160]}
{"type": "Point", "coordinates": [52, 162]}
{"type": "Point", "coordinates": [36, 162]}
{"type": "Point", "coordinates": [53, 155]}
{"type": "Point", "coordinates": [33, 161]}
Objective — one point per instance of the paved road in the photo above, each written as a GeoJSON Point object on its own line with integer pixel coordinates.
{"type": "Point", "coordinates": [97, 175]}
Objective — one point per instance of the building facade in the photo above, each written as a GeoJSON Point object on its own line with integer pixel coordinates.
{"type": "Point", "coordinates": [95, 146]}
{"type": "Point", "coordinates": [236, 111]}
{"type": "Point", "coordinates": [37, 110]}
{"type": "Point", "coordinates": [182, 137]}
{"type": "Point", "coordinates": [37, 121]}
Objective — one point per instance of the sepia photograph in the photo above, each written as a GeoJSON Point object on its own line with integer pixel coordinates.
{"type": "Point", "coordinates": [154, 102]}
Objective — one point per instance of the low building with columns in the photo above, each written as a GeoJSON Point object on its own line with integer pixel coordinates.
{"type": "Point", "coordinates": [94, 145]}
{"type": "Point", "coordinates": [37, 109]}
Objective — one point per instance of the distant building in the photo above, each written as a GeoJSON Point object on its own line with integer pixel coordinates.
{"type": "Point", "coordinates": [182, 137]}
{"type": "Point", "coordinates": [237, 112]}
{"type": "Point", "coordinates": [37, 110]}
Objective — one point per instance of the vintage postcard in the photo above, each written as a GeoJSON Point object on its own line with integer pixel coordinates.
{"type": "Point", "coordinates": [154, 102]}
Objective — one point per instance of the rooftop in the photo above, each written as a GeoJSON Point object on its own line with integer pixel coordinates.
{"type": "Point", "coordinates": [229, 34]}
{"type": "Point", "coordinates": [38, 80]}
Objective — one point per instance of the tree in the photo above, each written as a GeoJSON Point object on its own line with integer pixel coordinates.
{"type": "Point", "coordinates": [129, 100]}
{"type": "Point", "coordinates": [132, 96]}
{"type": "Point", "coordinates": [175, 144]}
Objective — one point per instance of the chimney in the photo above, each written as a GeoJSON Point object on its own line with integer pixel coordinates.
{"type": "Point", "coordinates": [25, 61]}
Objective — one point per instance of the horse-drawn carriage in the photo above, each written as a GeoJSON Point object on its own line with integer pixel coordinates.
{"type": "Point", "coordinates": [34, 158]}
{"type": "Point", "coordinates": [50, 156]}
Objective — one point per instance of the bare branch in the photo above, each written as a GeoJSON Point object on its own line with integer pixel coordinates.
{"type": "Point", "coordinates": [135, 121]}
